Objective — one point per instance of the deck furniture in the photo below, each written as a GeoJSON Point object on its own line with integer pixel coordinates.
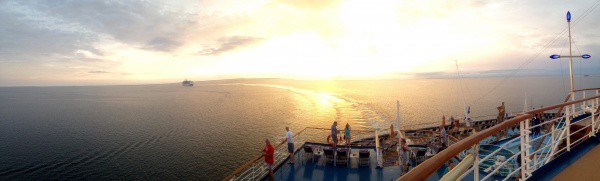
{"type": "Point", "coordinates": [342, 157]}
{"type": "Point", "coordinates": [363, 157]}
{"type": "Point", "coordinates": [329, 155]}
{"type": "Point", "coordinates": [309, 153]}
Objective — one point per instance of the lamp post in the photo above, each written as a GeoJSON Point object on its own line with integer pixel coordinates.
{"type": "Point", "coordinates": [584, 56]}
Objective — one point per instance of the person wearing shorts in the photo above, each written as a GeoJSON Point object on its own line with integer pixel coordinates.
{"type": "Point", "coordinates": [290, 142]}
{"type": "Point", "coordinates": [269, 153]}
{"type": "Point", "coordinates": [334, 134]}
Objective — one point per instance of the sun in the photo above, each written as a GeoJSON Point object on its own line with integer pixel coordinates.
{"type": "Point", "coordinates": [373, 40]}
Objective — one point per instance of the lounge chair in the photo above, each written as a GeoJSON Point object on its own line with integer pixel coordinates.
{"type": "Point", "coordinates": [342, 156]}
{"type": "Point", "coordinates": [329, 155]}
{"type": "Point", "coordinates": [363, 157]}
{"type": "Point", "coordinates": [308, 152]}
{"type": "Point", "coordinates": [420, 156]}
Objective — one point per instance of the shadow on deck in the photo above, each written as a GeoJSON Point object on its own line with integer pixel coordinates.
{"type": "Point", "coordinates": [318, 169]}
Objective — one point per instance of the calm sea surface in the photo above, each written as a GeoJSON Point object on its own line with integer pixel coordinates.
{"type": "Point", "coordinates": [158, 132]}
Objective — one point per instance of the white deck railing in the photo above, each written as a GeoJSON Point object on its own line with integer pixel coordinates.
{"type": "Point", "coordinates": [536, 145]}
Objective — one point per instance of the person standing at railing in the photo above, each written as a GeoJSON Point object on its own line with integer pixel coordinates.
{"type": "Point", "coordinates": [334, 134]}
{"type": "Point", "coordinates": [347, 134]}
{"type": "Point", "coordinates": [534, 122]}
{"type": "Point", "coordinates": [269, 153]}
{"type": "Point", "coordinates": [500, 119]}
{"type": "Point", "coordinates": [403, 151]}
{"type": "Point", "coordinates": [392, 132]}
{"type": "Point", "coordinates": [443, 135]}
{"type": "Point", "coordinates": [289, 136]}
{"type": "Point", "coordinates": [456, 124]}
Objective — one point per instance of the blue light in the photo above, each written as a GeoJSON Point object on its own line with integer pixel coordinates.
{"type": "Point", "coordinates": [554, 56]}
{"type": "Point", "coordinates": [585, 56]}
{"type": "Point", "coordinates": [568, 16]}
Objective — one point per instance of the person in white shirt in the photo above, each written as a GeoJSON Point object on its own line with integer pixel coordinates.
{"type": "Point", "coordinates": [290, 142]}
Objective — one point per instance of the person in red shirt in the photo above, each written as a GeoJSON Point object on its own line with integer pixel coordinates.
{"type": "Point", "coordinates": [269, 153]}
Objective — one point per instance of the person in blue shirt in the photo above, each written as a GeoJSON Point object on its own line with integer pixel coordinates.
{"type": "Point", "coordinates": [334, 134]}
{"type": "Point", "coordinates": [347, 134]}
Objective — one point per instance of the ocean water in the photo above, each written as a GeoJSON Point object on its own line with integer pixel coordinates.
{"type": "Point", "coordinates": [170, 132]}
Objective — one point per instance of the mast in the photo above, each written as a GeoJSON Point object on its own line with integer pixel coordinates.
{"type": "Point", "coordinates": [584, 56]}
{"type": "Point", "coordinates": [570, 55]}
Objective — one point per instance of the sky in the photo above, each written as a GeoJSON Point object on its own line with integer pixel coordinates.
{"type": "Point", "coordinates": [138, 42]}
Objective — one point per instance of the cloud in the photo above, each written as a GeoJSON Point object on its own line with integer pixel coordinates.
{"type": "Point", "coordinates": [27, 36]}
{"type": "Point", "coordinates": [140, 22]}
{"type": "Point", "coordinates": [229, 43]}
{"type": "Point", "coordinates": [63, 39]}
{"type": "Point", "coordinates": [98, 72]}
{"type": "Point", "coordinates": [162, 44]}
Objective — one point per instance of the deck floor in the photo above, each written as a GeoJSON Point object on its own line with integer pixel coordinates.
{"type": "Point", "coordinates": [305, 169]}
{"type": "Point", "coordinates": [585, 168]}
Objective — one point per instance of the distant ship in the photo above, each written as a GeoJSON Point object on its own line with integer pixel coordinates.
{"type": "Point", "coordinates": [187, 83]}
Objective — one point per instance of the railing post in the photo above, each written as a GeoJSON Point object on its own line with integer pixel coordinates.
{"type": "Point", "coordinates": [593, 132]}
{"type": "Point", "coordinates": [572, 99]}
{"type": "Point", "coordinates": [597, 93]}
{"type": "Point", "coordinates": [378, 151]}
{"type": "Point", "coordinates": [523, 135]}
{"type": "Point", "coordinates": [476, 162]}
{"type": "Point", "coordinates": [568, 127]}
{"type": "Point", "coordinates": [584, 102]}
{"type": "Point", "coordinates": [254, 171]}
{"type": "Point", "coordinates": [527, 146]}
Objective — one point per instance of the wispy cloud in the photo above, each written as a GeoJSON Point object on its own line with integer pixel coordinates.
{"type": "Point", "coordinates": [228, 44]}
{"type": "Point", "coordinates": [98, 72]}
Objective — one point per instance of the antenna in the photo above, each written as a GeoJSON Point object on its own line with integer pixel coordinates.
{"type": "Point", "coordinates": [584, 56]}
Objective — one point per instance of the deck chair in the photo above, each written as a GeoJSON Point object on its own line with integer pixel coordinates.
{"type": "Point", "coordinates": [329, 155]}
{"type": "Point", "coordinates": [363, 157]}
{"type": "Point", "coordinates": [420, 156]}
{"type": "Point", "coordinates": [308, 152]}
{"type": "Point", "coordinates": [342, 156]}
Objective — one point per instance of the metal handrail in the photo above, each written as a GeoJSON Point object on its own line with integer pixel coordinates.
{"type": "Point", "coordinates": [425, 169]}
{"type": "Point", "coordinates": [249, 163]}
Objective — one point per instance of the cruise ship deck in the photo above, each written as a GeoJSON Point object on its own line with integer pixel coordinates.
{"type": "Point", "coordinates": [586, 166]}
{"type": "Point", "coordinates": [533, 145]}
{"type": "Point", "coordinates": [561, 147]}
{"type": "Point", "coordinates": [581, 163]}
{"type": "Point", "coordinates": [306, 168]}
